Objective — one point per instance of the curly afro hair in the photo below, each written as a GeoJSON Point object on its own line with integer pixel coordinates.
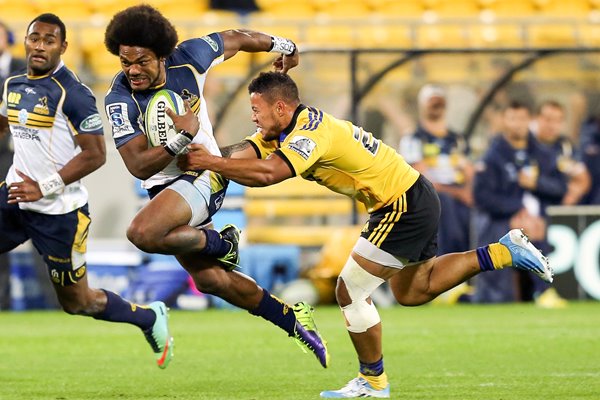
{"type": "Point", "coordinates": [141, 26]}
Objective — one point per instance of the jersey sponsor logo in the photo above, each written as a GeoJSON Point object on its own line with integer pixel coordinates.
{"type": "Point", "coordinates": [42, 106]}
{"type": "Point", "coordinates": [23, 115]}
{"type": "Point", "coordinates": [302, 145]}
{"type": "Point", "coordinates": [213, 45]}
{"type": "Point", "coordinates": [91, 123]}
{"type": "Point", "coordinates": [21, 132]}
{"type": "Point", "coordinates": [119, 119]}
{"type": "Point", "coordinates": [29, 90]}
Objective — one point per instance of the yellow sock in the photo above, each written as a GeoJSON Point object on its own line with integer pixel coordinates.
{"type": "Point", "coordinates": [500, 255]}
{"type": "Point", "coordinates": [377, 382]}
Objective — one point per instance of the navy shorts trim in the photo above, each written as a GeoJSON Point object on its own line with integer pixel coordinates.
{"type": "Point", "coordinates": [407, 228]}
{"type": "Point", "coordinates": [60, 239]}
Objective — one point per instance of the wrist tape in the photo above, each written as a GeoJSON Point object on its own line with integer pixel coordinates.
{"type": "Point", "coordinates": [51, 184]}
{"type": "Point", "coordinates": [282, 45]}
{"type": "Point", "coordinates": [177, 144]}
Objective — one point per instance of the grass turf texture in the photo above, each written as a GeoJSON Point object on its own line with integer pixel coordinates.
{"type": "Point", "coordinates": [431, 352]}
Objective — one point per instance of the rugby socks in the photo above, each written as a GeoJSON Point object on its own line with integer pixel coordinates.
{"type": "Point", "coordinates": [373, 369]}
{"type": "Point", "coordinates": [276, 311]}
{"type": "Point", "coordinates": [374, 374]}
{"type": "Point", "coordinates": [493, 256]}
{"type": "Point", "coordinates": [216, 246]}
{"type": "Point", "coordinates": [119, 310]}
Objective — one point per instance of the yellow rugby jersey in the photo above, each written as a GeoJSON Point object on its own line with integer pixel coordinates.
{"type": "Point", "coordinates": [341, 156]}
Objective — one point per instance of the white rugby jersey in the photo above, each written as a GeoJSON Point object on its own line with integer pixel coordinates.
{"type": "Point", "coordinates": [45, 113]}
{"type": "Point", "coordinates": [186, 73]}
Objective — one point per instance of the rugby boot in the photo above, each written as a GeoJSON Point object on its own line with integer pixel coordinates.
{"type": "Point", "coordinates": [159, 337]}
{"type": "Point", "coordinates": [525, 255]}
{"type": "Point", "coordinates": [231, 234]}
{"type": "Point", "coordinates": [306, 334]}
{"type": "Point", "coordinates": [357, 387]}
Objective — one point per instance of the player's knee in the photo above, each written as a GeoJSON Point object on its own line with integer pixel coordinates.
{"type": "Point", "coordinates": [353, 291]}
{"type": "Point", "coordinates": [341, 293]}
{"type": "Point", "coordinates": [142, 236]}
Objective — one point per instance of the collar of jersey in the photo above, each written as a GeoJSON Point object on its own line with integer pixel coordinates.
{"type": "Point", "coordinates": [288, 129]}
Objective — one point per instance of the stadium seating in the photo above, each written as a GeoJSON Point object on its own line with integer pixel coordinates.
{"type": "Point", "coordinates": [455, 8]}
{"type": "Point", "coordinates": [295, 211]}
{"type": "Point", "coordinates": [552, 35]}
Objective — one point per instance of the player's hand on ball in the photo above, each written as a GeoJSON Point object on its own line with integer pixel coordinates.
{"type": "Point", "coordinates": [188, 121]}
{"type": "Point", "coordinates": [197, 158]}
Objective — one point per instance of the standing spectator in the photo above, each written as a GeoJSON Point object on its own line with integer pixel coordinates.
{"type": "Point", "coordinates": [515, 174]}
{"type": "Point", "coordinates": [8, 66]}
{"type": "Point", "coordinates": [441, 155]}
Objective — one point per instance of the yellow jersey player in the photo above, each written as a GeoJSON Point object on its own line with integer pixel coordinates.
{"type": "Point", "coordinates": [399, 241]}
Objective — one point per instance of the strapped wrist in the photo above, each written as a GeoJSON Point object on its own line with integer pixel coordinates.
{"type": "Point", "coordinates": [177, 144]}
{"type": "Point", "coordinates": [51, 184]}
{"type": "Point", "coordinates": [283, 46]}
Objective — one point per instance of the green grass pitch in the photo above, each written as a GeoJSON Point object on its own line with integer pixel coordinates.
{"type": "Point", "coordinates": [431, 352]}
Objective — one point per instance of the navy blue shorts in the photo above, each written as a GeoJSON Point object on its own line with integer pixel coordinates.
{"type": "Point", "coordinates": [408, 227]}
{"type": "Point", "coordinates": [60, 239]}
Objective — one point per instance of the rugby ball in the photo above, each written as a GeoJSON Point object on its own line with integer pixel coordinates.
{"type": "Point", "coordinates": [159, 126]}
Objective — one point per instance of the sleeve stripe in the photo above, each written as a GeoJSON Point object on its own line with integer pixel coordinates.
{"type": "Point", "coordinates": [256, 149]}
{"type": "Point", "coordinates": [315, 117]}
{"type": "Point", "coordinates": [284, 158]}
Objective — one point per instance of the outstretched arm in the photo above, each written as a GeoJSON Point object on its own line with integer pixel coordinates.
{"type": "Point", "coordinates": [250, 41]}
{"type": "Point", "coordinates": [249, 171]}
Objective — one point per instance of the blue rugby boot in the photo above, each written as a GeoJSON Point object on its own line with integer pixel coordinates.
{"type": "Point", "coordinates": [525, 255]}
{"type": "Point", "coordinates": [357, 387]}
{"type": "Point", "coordinates": [306, 334]}
{"type": "Point", "coordinates": [231, 234]}
{"type": "Point", "coordinates": [159, 337]}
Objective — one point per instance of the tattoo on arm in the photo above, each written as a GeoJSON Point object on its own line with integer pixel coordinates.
{"type": "Point", "coordinates": [227, 151]}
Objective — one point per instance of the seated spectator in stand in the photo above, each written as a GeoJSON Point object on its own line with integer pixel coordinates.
{"type": "Point", "coordinates": [515, 174]}
{"type": "Point", "coordinates": [441, 155]}
{"type": "Point", "coordinates": [550, 123]}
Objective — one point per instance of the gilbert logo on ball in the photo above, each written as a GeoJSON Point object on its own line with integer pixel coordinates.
{"type": "Point", "coordinates": [158, 125]}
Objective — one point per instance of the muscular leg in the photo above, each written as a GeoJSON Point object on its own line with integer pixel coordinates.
{"type": "Point", "coordinates": [232, 286]}
{"type": "Point", "coordinates": [162, 226]}
{"type": "Point", "coordinates": [80, 299]}
{"type": "Point", "coordinates": [413, 285]}
{"type": "Point", "coordinates": [420, 283]}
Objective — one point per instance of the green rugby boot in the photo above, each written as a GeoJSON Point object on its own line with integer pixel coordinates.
{"type": "Point", "coordinates": [159, 337]}
{"type": "Point", "coordinates": [306, 334]}
{"type": "Point", "coordinates": [231, 234]}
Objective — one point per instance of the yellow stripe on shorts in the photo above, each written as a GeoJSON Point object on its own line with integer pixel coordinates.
{"type": "Point", "coordinates": [387, 223]}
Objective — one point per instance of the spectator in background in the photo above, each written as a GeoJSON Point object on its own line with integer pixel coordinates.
{"type": "Point", "coordinates": [515, 176]}
{"type": "Point", "coordinates": [590, 150]}
{"type": "Point", "coordinates": [441, 155]}
{"type": "Point", "coordinates": [8, 66]}
{"type": "Point", "coordinates": [550, 122]}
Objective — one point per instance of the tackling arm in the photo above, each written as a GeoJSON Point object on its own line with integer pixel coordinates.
{"type": "Point", "coordinates": [249, 171]}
